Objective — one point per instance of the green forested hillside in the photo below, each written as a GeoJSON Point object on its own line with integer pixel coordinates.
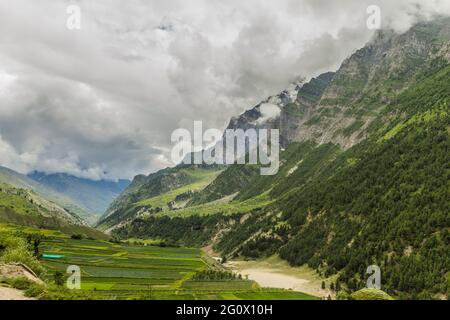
{"type": "Point", "coordinates": [390, 208]}
{"type": "Point", "coordinates": [366, 181]}
{"type": "Point", "coordinates": [382, 202]}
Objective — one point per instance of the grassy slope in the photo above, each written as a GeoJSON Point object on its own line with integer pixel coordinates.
{"type": "Point", "coordinates": [22, 207]}
{"type": "Point", "coordinates": [94, 196]}
{"type": "Point", "coordinates": [223, 206]}
{"type": "Point", "coordinates": [230, 181]}
{"type": "Point", "coordinates": [370, 294]}
{"type": "Point", "coordinates": [200, 179]}
{"type": "Point", "coordinates": [156, 191]}
{"type": "Point", "coordinates": [18, 180]}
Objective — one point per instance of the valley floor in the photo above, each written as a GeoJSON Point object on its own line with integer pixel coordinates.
{"type": "Point", "coordinates": [276, 273]}
{"type": "Point", "coordinates": [122, 271]}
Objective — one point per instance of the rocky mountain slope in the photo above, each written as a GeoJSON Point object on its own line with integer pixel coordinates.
{"type": "Point", "coordinates": [364, 176]}
{"type": "Point", "coordinates": [339, 107]}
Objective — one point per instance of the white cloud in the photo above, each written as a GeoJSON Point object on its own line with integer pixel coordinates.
{"type": "Point", "coordinates": [268, 111]}
{"type": "Point", "coordinates": [102, 102]}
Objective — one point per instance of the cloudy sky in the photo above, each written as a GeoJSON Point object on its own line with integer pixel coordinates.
{"type": "Point", "coordinates": [102, 101]}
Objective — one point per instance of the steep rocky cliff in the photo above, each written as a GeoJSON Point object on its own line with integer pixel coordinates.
{"type": "Point", "coordinates": [339, 107]}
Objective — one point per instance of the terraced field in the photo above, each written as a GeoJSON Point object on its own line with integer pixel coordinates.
{"type": "Point", "coordinates": [120, 271]}
{"type": "Point", "coordinates": [128, 271]}
{"type": "Point", "coordinates": [116, 270]}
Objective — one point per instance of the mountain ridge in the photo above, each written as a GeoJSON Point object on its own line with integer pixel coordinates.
{"type": "Point", "coordinates": [363, 166]}
{"type": "Point", "coordinates": [93, 196]}
{"type": "Point", "coordinates": [18, 180]}
{"type": "Point", "coordinates": [27, 203]}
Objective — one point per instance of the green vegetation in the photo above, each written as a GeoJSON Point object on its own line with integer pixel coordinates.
{"type": "Point", "coordinates": [14, 248]}
{"type": "Point", "coordinates": [202, 179]}
{"type": "Point", "coordinates": [334, 210]}
{"type": "Point", "coordinates": [391, 206]}
{"type": "Point", "coordinates": [93, 196]}
{"type": "Point", "coordinates": [19, 181]}
{"type": "Point", "coordinates": [191, 230]}
{"type": "Point", "coordinates": [354, 127]}
{"type": "Point", "coordinates": [230, 181]}
{"type": "Point", "coordinates": [18, 200]}
{"type": "Point", "coordinates": [25, 208]}
{"type": "Point", "coordinates": [312, 92]}
{"type": "Point", "coordinates": [223, 206]}
{"type": "Point", "coordinates": [123, 271]}
{"type": "Point", "coordinates": [116, 270]}
{"type": "Point", "coordinates": [158, 192]}
{"type": "Point", "coordinates": [370, 294]}
{"type": "Point", "coordinates": [383, 202]}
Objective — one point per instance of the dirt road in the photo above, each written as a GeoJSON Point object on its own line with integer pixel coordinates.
{"type": "Point", "coordinates": [12, 294]}
{"type": "Point", "coordinates": [11, 271]}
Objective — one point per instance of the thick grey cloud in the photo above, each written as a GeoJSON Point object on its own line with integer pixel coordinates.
{"type": "Point", "coordinates": [101, 102]}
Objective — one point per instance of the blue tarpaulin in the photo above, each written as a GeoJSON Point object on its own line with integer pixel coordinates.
{"type": "Point", "coordinates": [52, 256]}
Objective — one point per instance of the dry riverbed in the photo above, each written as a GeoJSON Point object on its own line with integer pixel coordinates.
{"type": "Point", "coordinates": [276, 273]}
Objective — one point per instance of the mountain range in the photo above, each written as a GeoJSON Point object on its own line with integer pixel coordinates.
{"type": "Point", "coordinates": [93, 196]}
{"type": "Point", "coordinates": [28, 203]}
{"type": "Point", "coordinates": [84, 198]}
{"type": "Point", "coordinates": [364, 176]}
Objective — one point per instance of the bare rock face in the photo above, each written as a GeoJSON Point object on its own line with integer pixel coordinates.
{"type": "Point", "coordinates": [339, 107]}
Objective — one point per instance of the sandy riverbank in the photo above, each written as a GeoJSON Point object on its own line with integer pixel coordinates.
{"type": "Point", "coordinates": [275, 273]}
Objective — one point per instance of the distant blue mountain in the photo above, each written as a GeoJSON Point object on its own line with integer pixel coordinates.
{"type": "Point", "coordinates": [94, 196]}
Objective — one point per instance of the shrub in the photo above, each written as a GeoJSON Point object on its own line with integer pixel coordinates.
{"type": "Point", "coordinates": [18, 251]}
{"type": "Point", "coordinates": [59, 278]}
{"type": "Point", "coordinates": [35, 290]}
{"type": "Point", "coordinates": [370, 294]}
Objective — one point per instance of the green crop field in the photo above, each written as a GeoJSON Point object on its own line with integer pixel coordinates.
{"type": "Point", "coordinates": [111, 268]}
{"type": "Point", "coordinates": [129, 271]}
